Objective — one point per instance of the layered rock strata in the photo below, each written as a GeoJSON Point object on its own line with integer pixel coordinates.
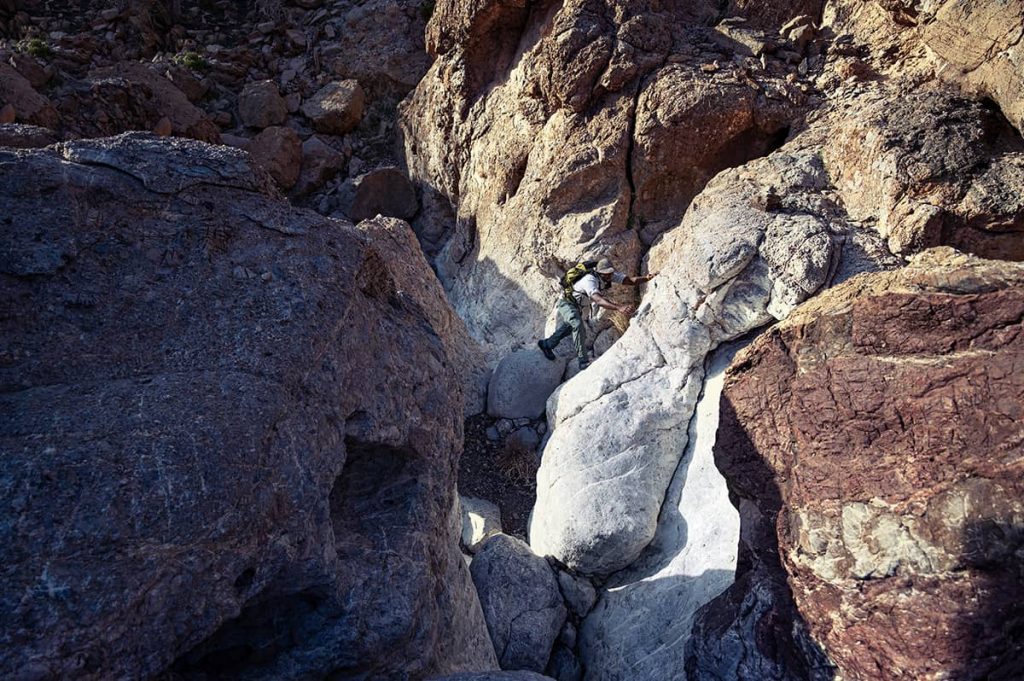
{"type": "Point", "coordinates": [231, 429]}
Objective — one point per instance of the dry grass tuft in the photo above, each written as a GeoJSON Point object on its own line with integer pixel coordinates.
{"type": "Point", "coordinates": [518, 462]}
{"type": "Point", "coordinates": [619, 321]}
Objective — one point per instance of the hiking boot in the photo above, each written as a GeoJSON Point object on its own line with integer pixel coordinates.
{"type": "Point", "coordinates": [546, 350]}
{"type": "Point", "coordinates": [584, 363]}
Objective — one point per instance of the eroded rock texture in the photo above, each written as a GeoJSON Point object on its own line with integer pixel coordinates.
{"type": "Point", "coordinates": [879, 430]}
{"type": "Point", "coordinates": [557, 130]}
{"type": "Point", "coordinates": [229, 431]}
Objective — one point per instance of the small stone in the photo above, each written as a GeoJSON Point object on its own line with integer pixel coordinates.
{"type": "Point", "coordinates": [480, 520]}
{"type": "Point", "coordinates": [163, 128]}
{"type": "Point", "coordinates": [260, 105]}
{"type": "Point", "coordinates": [336, 108]}
{"type": "Point", "coordinates": [8, 114]}
{"type": "Point", "coordinates": [279, 150]}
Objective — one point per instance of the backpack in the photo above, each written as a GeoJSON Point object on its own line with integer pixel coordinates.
{"type": "Point", "coordinates": [576, 273]}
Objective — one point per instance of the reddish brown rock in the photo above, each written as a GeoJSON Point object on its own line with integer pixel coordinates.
{"type": "Point", "coordinates": [29, 106]}
{"type": "Point", "coordinates": [882, 419]}
{"type": "Point", "coordinates": [383, 191]}
{"type": "Point", "coordinates": [230, 429]}
{"type": "Point", "coordinates": [279, 151]}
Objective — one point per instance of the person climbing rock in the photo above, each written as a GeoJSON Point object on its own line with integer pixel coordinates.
{"type": "Point", "coordinates": [585, 280]}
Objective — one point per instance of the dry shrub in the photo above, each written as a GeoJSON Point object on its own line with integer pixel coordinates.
{"type": "Point", "coordinates": [518, 462]}
{"type": "Point", "coordinates": [619, 321]}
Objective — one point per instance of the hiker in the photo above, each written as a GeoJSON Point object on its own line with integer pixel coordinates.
{"type": "Point", "coordinates": [585, 280]}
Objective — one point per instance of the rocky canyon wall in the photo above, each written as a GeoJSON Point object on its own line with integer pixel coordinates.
{"type": "Point", "coordinates": [753, 157]}
{"type": "Point", "coordinates": [230, 432]}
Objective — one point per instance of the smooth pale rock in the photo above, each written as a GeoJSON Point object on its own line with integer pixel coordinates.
{"type": "Point", "coordinates": [521, 384]}
{"type": "Point", "coordinates": [197, 458]}
{"type": "Point", "coordinates": [336, 108]}
{"type": "Point", "coordinates": [480, 520]}
{"type": "Point", "coordinates": [260, 105]}
{"type": "Point", "coordinates": [889, 464]}
{"type": "Point", "coordinates": [278, 150]}
{"type": "Point", "coordinates": [382, 191]}
{"type": "Point", "coordinates": [641, 624]}
{"type": "Point", "coordinates": [521, 602]}
{"type": "Point", "coordinates": [620, 427]}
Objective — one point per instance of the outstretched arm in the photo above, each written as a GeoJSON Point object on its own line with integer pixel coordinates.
{"type": "Point", "coordinates": [601, 301]}
{"type": "Point", "coordinates": [636, 281]}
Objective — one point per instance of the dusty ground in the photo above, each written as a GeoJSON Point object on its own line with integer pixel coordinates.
{"type": "Point", "coordinates": [500, 473]}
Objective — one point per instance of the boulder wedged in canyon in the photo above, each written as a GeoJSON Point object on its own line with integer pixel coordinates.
{"type": "Point", "coordinates": [521, 601]}
{"type": "Point", "coordinates": [638, 627]}
{"type": "Point", "coordinates": [230, 430]}
{"type": "Point", "coordinates": [878, 429]}
{"type": "Point", "coordinates": [559, 131]}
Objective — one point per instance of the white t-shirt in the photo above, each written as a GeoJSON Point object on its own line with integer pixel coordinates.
{"type": "Point", "coordinates": [591, 284]}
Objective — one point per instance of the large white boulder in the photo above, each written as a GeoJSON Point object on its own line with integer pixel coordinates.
{"type": "Point", "coordinates": [735, 263]}
{"type": "Point", "coordinates": [637, 628]}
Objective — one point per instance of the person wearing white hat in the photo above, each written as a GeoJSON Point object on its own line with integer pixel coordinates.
{"type": "Point", "coordinates": [585, 281]}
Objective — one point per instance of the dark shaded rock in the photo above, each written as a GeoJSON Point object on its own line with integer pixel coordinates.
{"type": "Point", "coordinates": [521, 601]}
{"type": "Point", "coordinates": [29, 106]}
{"type": "Point", "coordinates": [133, 96]}
{"type": "Point", "coordinates": [384, 191]}
{"type": "Point", "coordinates": [494, 676]}
{"type": "Point", "coordinates": [883, 420]}
{"type": "Point", "coordinates": [229, 433]}
{"type": "Point", "coordinates": [279, 151]}
{"type": "Point", "coordinates": [261, 105]}
{"type": "Point", "coordinates": [320, 163]}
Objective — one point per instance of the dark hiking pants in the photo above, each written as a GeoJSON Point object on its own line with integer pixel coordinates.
{"type": "Point", "coordinates": [569, 321]}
